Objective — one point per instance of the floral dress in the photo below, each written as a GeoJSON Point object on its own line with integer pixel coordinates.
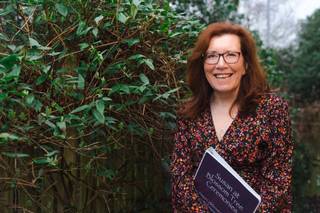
{"type": "Point", "coordinates": [257, 145]}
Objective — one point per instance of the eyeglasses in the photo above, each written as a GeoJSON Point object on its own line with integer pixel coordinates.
{"type": "Point", "coordinates": [229, 57]}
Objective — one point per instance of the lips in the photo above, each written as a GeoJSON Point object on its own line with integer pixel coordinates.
{"type": "Point", "coordinates": [223, 75]}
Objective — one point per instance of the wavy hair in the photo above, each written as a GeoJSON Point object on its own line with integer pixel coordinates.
{"type": "Point", "coordinates": [253, 84]}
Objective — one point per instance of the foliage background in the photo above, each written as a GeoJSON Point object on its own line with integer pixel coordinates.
{"type": "Point", "coordinates": [88, 93]}
{"type": "Point", "coordinates": [87, 100]}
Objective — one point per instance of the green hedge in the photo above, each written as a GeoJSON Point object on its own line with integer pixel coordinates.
{"type": "Point", "coordinates": [87, 103]}
{"type": "Point", "coordinates": [88, 92]}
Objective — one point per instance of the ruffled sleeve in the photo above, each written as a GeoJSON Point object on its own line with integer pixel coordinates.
{"type": "Point", "coordinates": [184, 197]}
{"type": "Point", "coordinates": [276, 170]}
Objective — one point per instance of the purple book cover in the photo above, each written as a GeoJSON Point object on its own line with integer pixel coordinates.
{"type": "Point", "coordinates": [222, 188]}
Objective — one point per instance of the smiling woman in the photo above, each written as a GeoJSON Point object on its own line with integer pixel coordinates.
{"type": "Point", "coordinates": [224, 75]}
{"type": "Point", "coordinates": [232, 109]}
{"type": "Point", "coordinates": [252, 84]}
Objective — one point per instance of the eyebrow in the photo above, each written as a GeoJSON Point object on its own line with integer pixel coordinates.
{"type": "Point", "coordinates": [213, 51]}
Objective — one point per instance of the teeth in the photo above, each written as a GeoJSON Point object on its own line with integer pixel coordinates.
{"type": "Point", "coordinates": [223, 75]}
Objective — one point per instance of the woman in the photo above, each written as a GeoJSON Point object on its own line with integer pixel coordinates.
{"type": "Point", "coordinates": [233, 109]}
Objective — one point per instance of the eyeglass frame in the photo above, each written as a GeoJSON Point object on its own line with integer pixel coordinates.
{"type": "Point", "coordinates": [223, 57]}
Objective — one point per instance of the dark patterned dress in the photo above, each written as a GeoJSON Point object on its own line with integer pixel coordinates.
{"type": "Point", "coordinates": [257, 145]}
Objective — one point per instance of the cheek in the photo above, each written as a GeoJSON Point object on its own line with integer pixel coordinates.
{"type": "Point", "coordinates": [206, 68]}
{"type": "Point", "coordinates": [207, 75]}
{"type": "Point", "coordinates": [240, 69]}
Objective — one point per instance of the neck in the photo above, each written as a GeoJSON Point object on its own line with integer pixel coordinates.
{"type": "Point", "coordinates": [224, 99]}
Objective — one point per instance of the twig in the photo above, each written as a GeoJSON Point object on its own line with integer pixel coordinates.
{"type": "Point", "coordinates": [26, 22]}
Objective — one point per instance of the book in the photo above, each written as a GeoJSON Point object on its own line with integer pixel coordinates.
{"type": "Point", "coordinates": [222, 188]}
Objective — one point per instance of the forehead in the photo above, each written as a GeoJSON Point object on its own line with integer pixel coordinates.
{"type": "Point", "coordinates": [225, 42]}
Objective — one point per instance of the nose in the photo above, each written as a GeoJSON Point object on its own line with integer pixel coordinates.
{"type": "Point", "coordinates": [221, 63]}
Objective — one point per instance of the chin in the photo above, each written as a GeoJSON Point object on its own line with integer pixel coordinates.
{"type": "Point", "coordinates": [225, 89]}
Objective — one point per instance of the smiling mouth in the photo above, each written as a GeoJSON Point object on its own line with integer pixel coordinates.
{"type": "Point", "coordinates": [223, 75]}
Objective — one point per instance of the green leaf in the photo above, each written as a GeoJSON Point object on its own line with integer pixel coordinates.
{"type": "Point", "coordinates": [34, 43]}
{"type": "Point", "coordinates": [62, 125]}
{"type": "Point", "coordinates": [37, 105]}
{"type": "Point", "coordinates": [29, 99]}
{"type": "Point", "coordinates": [81, 82]}
{"type": "Point", "coordinates": [120, 88]}
{"type": "Point", "coordinates": [136, 57]}
{"type": "Point", "coordinates": [132, 41]}
{"type": "Point", "coordinates": [45, 69]}
{"type": "Point", "coordinates": [106, 99]}
{"type": "Point", "coordinates": [63, 10]}
{"type": "Point", "coordinates": [171, 35]}
{"type": "Point", "coordinates": [98, 116]}
{"type": "Point", "coordinates": [4, 37]}
{"type": "Point", "coordinates": [149, 63]}
{"type": "Point", "coordinates": [55, 53]}
{"type": "Point", "coordinates": [107, 25]}
{"type": "Point", "coordinates": [144, 79]}
{"type": "Point", "coordinates": [83, 46]}
{"type": "Point", "coordinates": [52, 153]}
{"type": "Point", "coordinates": [7, 10]}
{"type": "Point", "coordinates": [100, 106]}
{"type": "Point", "coordinates": [95, 32]}
{"type": "Point", "coordinates": [34, 54]}
{"type": "Point", "coordinates": [114, 68]}
{"type": "Point", "coordinates": [98, 19]}
{"type": "Point", "coordinates": [50, 124]}
{"type": "Point", "coordinates": [141, 59]}
{"type": "Point", "coordinates": [136, 2]}
{"type": "Point", "coordinates": [4, 136]}
{"type": "Point", "coordinates": [3, 96]}
{"type": "Point", "coordinates": [42, 78]}
{"type": "Point", "coordinates": [133, 11]}
{"type": "Point", "coordinates": [15, 154]}
{"type": "Point", "coordinates": [82, 28]}
{"type": "Point", "coordinates": [167, 115]}
{"type": "Point", "coordinates": [44, 48]}
{"type": "Point", "coordinates": [81, 108]}
{"type": "Point", "coordinates": [41, 160]}
{"type": "Point", "coordinates": [2, 69]}
{"type": "Point", "coordinates": [122, 18]}
{"type": "Point", "coordinates": [57, 107]}
{"type": "Point", "coordinates": [10, 61]}
{"type": "Point", "coordinates": [12, 47]}
{"type": "Point", "coordinates": [166, 94]}
{"type": "Point", "coordinates": [15, 71]}
{"type": "Point", "coordinates": [110, 120]}
{"type": "Point", "coordinates": [34, 57]}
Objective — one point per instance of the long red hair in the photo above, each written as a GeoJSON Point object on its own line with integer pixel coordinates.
{"type": "Point", "coordinates": [252, 85]}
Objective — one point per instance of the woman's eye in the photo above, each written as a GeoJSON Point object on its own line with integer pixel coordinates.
{"type": "Point", "coordinates": [212, 56]}
{"type": "Point", "coordinates": [231, 55]}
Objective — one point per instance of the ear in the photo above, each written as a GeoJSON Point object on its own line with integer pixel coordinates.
{"type": "Point", "coordinates": [245, 69]}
